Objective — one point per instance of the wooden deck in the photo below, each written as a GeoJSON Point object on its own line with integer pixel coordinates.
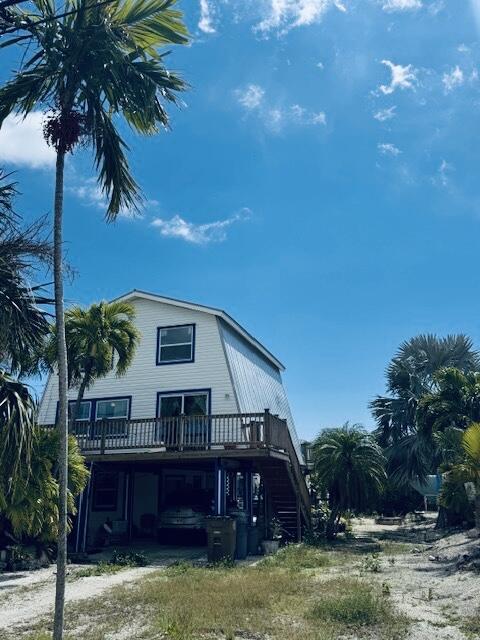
{"type": "Point", "coordinates": [184, 434]}
{"type": "Point", "coordinates": [253, 435]}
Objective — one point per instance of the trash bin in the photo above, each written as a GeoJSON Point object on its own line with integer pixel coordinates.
{"type": "Point", "coordinates": [241, 518]}
{"type": "Point", "coordinates": [221, 538]}
{"type": "Point", "coordinates": [253, 543]}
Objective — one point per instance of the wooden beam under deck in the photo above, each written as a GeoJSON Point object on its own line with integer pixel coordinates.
{"type": "Point", "coordinates": [132, 455]}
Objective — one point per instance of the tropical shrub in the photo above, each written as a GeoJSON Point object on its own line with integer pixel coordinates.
{"type": "Point", "coordinates": [29, 504]}
{"type": "Point", "coordinates": [350, 468]}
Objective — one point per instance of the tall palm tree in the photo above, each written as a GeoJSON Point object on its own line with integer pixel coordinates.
{"type": "Point", "coordinates": [23, 326]}
{"type": "Point", "coordinates": [350, 466]}
{"type": "Point", "coordinates": [23, 322]}
{"type": "Point", "coordinates": [453, 403]}
{"type": "Point", "coordinates": [100, 339]}
{"type": "Point", "coordinates": [410, 376]}
{"type": "Point", "coordinates": [98, 61]}
{"type": "Point", "coordinates": [468, 470]}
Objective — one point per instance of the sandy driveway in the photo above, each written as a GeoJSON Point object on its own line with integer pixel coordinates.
{"type": "Point", "coordinates": [27, 596]}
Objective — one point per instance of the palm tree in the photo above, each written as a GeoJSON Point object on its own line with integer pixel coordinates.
{"type": "Point", "coordinates": [350, 466]}
{"type": "Point", "coordinates": [468, 470]}
{"type": "Point", "coordinates": [98, 61]}
{"type": "Point", "coordinates": [453, 404]}
{"type": "Point", "coordinates": [410, 376]}
{"type": "Point", "coordinates": [29, 507]}
{"type": "Point", "coordinates": [23, 323]}
{"type": "Point", "coordinates": [23, 326]}
{"type": "Point", "coordinates": [100, 339]}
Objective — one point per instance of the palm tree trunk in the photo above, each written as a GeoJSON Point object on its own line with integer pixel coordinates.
{"type": "Point", "coordinates": [62, 425]}
{"type": "Point", "coordinates": [81, 392]}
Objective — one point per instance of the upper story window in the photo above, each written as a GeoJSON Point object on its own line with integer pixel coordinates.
{"type": "Point", "coordinates": [113, 409]}
{"type": "Point", "coordinates": [83, 412]}
{"type": "Point", "coordinates": [176, 344]}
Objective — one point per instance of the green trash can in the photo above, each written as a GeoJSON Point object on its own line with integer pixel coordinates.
{"type": "Point", "coordinates": [221, 538]}
{"type": "Point", "coordinates": [241, 518]}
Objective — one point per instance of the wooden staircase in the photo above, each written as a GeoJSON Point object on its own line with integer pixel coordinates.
{"type": "Point", "coordinates": [287, 495]}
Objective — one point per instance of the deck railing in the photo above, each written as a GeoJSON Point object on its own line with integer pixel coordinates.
{"type": "Point", "coordinates": [236, 431]}
{"type": "Point", "coordinates": [183, 433]}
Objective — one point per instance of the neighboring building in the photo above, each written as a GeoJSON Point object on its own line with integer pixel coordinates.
{"type": "Point", "coordinates": [200, 412]}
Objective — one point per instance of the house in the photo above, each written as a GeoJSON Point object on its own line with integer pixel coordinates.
{"type": "Point", "coordinates": [200, 424]}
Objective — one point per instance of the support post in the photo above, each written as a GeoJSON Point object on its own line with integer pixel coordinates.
{"type": "Point", "coordinates": [130, 478]}
{"type": "Point", "coordinates": [82, 544]}
{"type": "Point", "coordinates": [219, 488]}
{"type": "Point", "coordinates": [299, 521]}
{"type": "Point", "coordinates": [249, 494]}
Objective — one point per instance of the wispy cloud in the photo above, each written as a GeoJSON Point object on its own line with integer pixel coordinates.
{"type": "Point", "coordinates": [22, 143]}
{"type": "Point", "coordinates": [453, 79]}
{"type": "Point", "coordinates": [402, 77]}
{"type": "Point", "coordinates": [388, 149]}
{"type": "Point", "coordinates": [88, 191]}
{"type": "Point", "coordinates": [205, 23]}
{"type": "Point", "coordinates": [443, 174]}
{"type": "Point", "coordinates": [402, 5]}
{"type": "Point", "coordinates": [251, 96]}
{"type": "Point", "coordinates": [254, 101]}
{"type": "Point", "coordinates": [202, 234]}
{"type": "Point", "coordinates": [385, 114]}
{"type": "Point", "coordinates": [284, 15]}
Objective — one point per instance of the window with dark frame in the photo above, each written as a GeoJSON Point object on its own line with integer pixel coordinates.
{"type": "Point", "coordinates": [83, 414]}
{"type": "Point", "coordinates": [105, 491]}
{"type": "Point", "coordinates": [176, 344]}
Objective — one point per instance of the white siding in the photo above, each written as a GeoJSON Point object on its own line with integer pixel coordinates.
{"type": "Point", "coordinates": [144, 379]}
{"type": "Point", "coordinates": [258, 384]}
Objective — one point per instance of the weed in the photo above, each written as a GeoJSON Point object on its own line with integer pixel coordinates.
{"type": "Point", "coordinates": [371, 563]}
{"type": "Point", "coordinates": [298, 556]}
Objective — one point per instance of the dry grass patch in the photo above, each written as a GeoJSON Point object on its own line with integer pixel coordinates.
{"type": "Point", "coordinates": [282, 597]}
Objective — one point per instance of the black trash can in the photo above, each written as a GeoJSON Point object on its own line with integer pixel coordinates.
{"type": "Point", "coordinates": [241, 518]}
{"type": "Point", "coordinates": [221, 538]}
{"type": "Point", "coordinates": [253, 540]}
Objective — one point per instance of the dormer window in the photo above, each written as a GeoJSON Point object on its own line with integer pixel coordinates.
{"type": "Point", "coordinates": [176, 344]}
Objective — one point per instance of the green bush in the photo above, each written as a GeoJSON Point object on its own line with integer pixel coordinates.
{"type": "Point", "coordinates": [298, 556]}
{"type": "Point", "coordinates": [129, 559]}
{"type": "Point", "coordinates": [355, 605]}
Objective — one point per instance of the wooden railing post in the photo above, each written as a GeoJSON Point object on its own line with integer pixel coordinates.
{"type": "Point", "coordinates": [267, 424]}
{"type": "Point", "coordinates": [102, 436]}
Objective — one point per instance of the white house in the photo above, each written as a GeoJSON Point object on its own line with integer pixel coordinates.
{"type": "Point", "coordinates": [200, 410]}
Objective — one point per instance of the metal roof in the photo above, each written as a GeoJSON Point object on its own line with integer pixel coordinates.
{"type": "Point", "coordinates": [219, 313]}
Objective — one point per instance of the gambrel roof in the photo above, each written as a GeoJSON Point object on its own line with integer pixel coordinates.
{"type": "Point", "coordinates": [219, 313]}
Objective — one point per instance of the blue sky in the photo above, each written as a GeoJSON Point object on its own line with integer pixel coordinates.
{"type": "Point", "coordinates": [320, 184]}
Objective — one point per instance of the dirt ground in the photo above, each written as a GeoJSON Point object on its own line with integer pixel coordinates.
{"type": "Point", "coordinates": [417, 567]}
{"type": "Point", "coordinates": [26, 596]}
{"type": "Point", "coordinates": [425, 582]}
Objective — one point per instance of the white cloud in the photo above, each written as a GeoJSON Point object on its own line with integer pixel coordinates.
{"type": "Point", "coordinates": [319, 118]}
{"type": "Point", "coordinates": [251, 97]}
{"type": "Point", "coordinates": [443, 173]}
{"type": "Point", "coordinates": [22, 143]}
{"type": "Point", "coordinates": [402, 5]}
{"type": "Point", "coordinates": [283, 15]}
{"type": "Point", "coordinates": [453, 79]}
{"type": "Point", "coordinates": [205, 23]}
{"type": "Point", "coordinates": [320, 65]}
{"type": "Point", "coordinates": [462, 48]}
{"type": "Point", "coordinates": [89, 192]}
{"type": "Point", "coordinates": [388, 149]}
{"type": "Point", "coordinates": [254, 100]}
{"type": "Point", "coordinates": [385, 114]}
{"type": "Point", "coordinates": [402, 77]}
{"type": "Point", "coordinates": [178, 227]}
